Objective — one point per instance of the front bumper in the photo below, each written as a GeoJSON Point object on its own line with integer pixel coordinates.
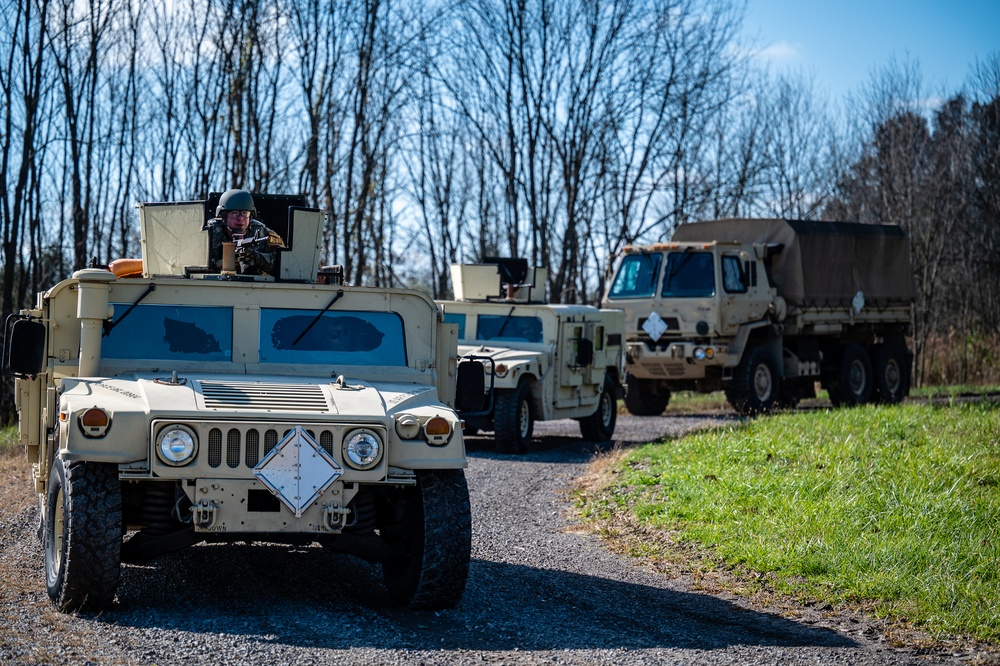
{"type": "Point", "coordinates": [674, 360]}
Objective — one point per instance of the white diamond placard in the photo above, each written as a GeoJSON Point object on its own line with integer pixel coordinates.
{"type": "Point", "coordinates": [655, 326]}
{"type": "Point", "coordinates": [298, 470]}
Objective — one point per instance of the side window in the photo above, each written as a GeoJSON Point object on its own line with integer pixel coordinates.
{"type": "Point", "coordinates": [733, 277]}
{"type": "Point", "coordinates": [451, 318]}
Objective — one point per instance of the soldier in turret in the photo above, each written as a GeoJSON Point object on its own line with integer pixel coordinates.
{"type": "Point", "coordinates": [256, 245]}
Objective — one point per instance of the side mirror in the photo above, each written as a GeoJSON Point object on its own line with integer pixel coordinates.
{"type": "Point", "coordinates": [470, 393]}
{"type": "Point", "coordinates": [584, 352]}
{"type": "Point", "coordinates": [23, 347]}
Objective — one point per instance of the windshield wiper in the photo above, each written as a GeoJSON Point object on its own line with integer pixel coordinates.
{"type": "Point", "coordinates": [505, 322]}
{"type": "Point", "coordinates": [673, 271]}
{"type": "Point", "coordinates": [321, 313]}
{"type": "Point", "coordinates": [110, 326]}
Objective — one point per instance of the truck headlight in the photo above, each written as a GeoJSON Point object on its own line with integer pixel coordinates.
{"type": "Point", "coordinates": [363, 449]}
{"type": "Point", "coordinates": [177, 445]}
{"type": "Point", "coordinates": [699, 354]}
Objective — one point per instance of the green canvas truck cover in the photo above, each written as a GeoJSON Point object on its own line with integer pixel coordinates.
{"type": "Point", "coordinates": [823, 264]}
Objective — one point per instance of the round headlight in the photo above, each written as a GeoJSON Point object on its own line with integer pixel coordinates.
{"type": "Point", "coordinates": [177, 445]}
{"type": "Point", "coordinates": [699, 354]}
{"type": "Point", "coordinates": [362, 449]}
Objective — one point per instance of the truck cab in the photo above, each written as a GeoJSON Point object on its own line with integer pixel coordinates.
{"type": "Point", "coordinates": [765, 309]}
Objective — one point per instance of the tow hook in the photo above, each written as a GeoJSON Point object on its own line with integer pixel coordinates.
{"type": "Point", "coordinates": [335, 517]}
{"type": "Point", "coordinates": [205, 512]}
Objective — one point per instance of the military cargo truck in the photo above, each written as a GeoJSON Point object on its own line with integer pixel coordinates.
{"type": "Point", "coordinates": [542, 361]}
{"type": "Point", "coordinates": [179, 406]}
{"type": "Point", "coordinates": [764, 309]}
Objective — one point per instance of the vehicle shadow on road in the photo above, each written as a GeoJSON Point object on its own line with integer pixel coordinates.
{"type": "Point", "coordinates": [312, 598]}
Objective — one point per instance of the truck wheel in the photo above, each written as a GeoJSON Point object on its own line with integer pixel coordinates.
{"type": "Point", "coordinates": [854, 377]}
{"type": "Point", "coordinates": [756, 383]}
{"type": "Point", "coordinates": [600, 426]}
{"type": "Point", "coordinates": [644, 398]}
{"type": "Point", "coordinates": [435, 537]}
{"type": "Point", "coordinates": [889, 367]}
{"type": "Point", "coordinates": [513, 421]}
{"type": "Point", "coordinates": [83, 537]}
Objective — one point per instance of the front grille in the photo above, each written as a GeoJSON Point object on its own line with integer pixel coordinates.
{"type": "Point", "coordinates": [665, 369]}
{"type": "Point", "coordinates": [242, 444]}
{"type": "Point", "coordinates": [271, 397]}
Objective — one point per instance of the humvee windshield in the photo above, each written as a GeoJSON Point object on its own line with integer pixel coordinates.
{"type": "Point", "coordinates": [636, 276]}
{"type": "Point", "coordinates": [689, 275]}
{"type": "Point", "coordinates": [507, 327]}
{"type": "Point", "coordinates": [170, 333]}
{"type": "Point", "coordinates": [341, 337]}
{"type": "Point", "coordinates": [205, 333]}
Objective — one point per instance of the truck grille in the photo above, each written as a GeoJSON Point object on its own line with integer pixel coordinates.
{"type": "Point", "coordinates": [665, 369]}
{"type": "Point", "coordinates": [257, 396]}
{"type": "Point", "coordinates": [241, 445]}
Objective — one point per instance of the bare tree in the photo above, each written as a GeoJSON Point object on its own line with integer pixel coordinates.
{"type": "Point", "coordinates": [799, 149]}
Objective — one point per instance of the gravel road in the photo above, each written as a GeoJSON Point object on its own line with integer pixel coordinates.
{"type": "Point", "coordinates": [541, 590]}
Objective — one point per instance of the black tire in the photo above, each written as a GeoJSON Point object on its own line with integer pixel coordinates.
{"type": "Point", "coordinates": [854, 378]}
{"type": "Point", "coordinates": [756, 384]}
{"type": "Point", "coordinates": [434, 533]}
{"type": "Point", "coordinates": [890, 371]}
{"type": "Point", "coordinates": [83, 537]}
{"type": "Point", "coordinates": [600, 426]}
{"type": "Point", "coordinates": [644, 398]}
{"type": "Point", "coordinates": [513, 419]}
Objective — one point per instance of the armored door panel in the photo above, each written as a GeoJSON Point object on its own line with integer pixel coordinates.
{"type": "Point", "coordinates": [300, 259]}
{"type": "Point", "coordinates": [172, 237]}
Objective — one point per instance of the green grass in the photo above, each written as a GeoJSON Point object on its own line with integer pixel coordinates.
{"type": "Point", "coordinates": [8, 438]}
{"type": "Point", "coordinates": [952, 391]}
{"type": "Point", "coordinates": [895, 508]}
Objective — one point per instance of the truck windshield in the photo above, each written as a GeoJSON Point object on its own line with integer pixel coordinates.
{"type": "Point", "coordinates": [636, 277]}
{"type": "Point", "coordinates": [338, 337]}
{"type": "Point", "coordinates": [170, 333]}
{"type": "Point", "coordinates": [689, 275]}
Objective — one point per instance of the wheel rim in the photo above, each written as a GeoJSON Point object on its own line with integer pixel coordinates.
{"type": "Point", "coordinates": [762, 382]}
{"type": "Point", "coordinates": [523, 419]}
{"type": "Point", "coordinates": [605, 409]}
{"type": "Point", "coordinates": [893, 378]}
{"type": "Point", "coordinates": [58, 532]}
{"type": "Point", "coordinates": [856, 378]}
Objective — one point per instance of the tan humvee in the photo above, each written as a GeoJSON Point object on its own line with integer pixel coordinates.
{"type": "Point", "coordinates": [542, 361]}
{"type": "Point", "coordinates": [178, 406]}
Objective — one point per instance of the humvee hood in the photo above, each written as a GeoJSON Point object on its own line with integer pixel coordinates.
{"type": "Point", "coordinates": [498, 353]}
{"type": "Point", "coordinates": [191, 395]}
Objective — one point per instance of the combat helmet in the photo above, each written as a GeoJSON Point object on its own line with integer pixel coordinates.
{"type": "Point", "coordinates": [235, 200]}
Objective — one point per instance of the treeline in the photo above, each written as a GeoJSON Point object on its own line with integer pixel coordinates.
{"type": "Point", "coordinates": [434, 132]}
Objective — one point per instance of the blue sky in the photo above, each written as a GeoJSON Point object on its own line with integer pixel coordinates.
{"type": "Point", "coordinates": [841, 43]}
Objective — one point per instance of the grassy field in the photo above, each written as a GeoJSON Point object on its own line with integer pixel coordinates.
{"type": "Point", "coordinates": [896, 509]}
{"type": "Point", "coordinates": [8, 438]}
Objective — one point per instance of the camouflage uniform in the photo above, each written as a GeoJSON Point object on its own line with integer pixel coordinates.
{"type": "Point", "coordinates": [255, 257]}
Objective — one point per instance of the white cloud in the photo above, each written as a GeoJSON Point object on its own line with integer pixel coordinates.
{"type": "Point", "coordinates": [779, 52]}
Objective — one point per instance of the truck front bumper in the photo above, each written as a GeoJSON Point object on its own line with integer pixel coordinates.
{"type": "Point", "coordinates": [674, 360]}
